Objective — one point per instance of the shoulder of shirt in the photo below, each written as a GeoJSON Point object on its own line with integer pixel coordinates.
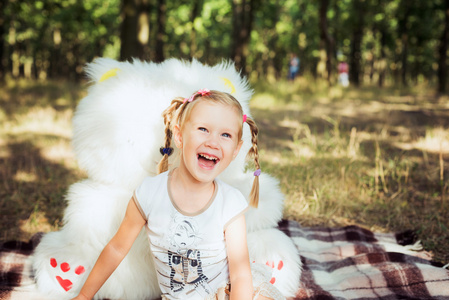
{"type": "Point", "coordinates": [233, 197]}
{"type": "Point", "coordinates": [155, 179]}
{"type": "Point", "coordinates": [226, 188]}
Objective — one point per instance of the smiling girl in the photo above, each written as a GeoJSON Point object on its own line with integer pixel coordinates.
{"type": "Point", "coordinates": [195, 222]}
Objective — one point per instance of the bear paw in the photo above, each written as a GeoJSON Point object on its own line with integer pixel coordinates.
{"type": "Point", "coordinates": [275, 266]}
{"type": "Point", "coordinates": [64, 267]}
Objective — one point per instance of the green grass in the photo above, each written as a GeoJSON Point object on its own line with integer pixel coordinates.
{"type": "Point", "coordinates": [377, 158]}
{"type": "Point", "coordinates": [36, 160]}
{"type": "Point", "coordinates": [370, 157]}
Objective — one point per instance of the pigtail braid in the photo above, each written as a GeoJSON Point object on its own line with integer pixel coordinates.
{"type": "Point", "coordinates": [254, 152]}
{"type": "Point", "coordinates": [168, 114]}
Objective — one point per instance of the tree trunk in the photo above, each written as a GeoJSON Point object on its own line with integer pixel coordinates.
{"type": "Point", "coordinates": [404, 36]}
{"type": "Point", "coordinates": [382, 64]}
{"type": "Point", "coordinates": [416, 70]}
{"type": "Point", "coordinates": [442, 60]}
{"type": "Point", "coordinates": [56, 56]}
{"type": "Point", "coordinates": [236, 50]}
{"type": "Point", "coordinates": [2, 38]}
{"type": "Point", "coordinates": [335, 26]}
{"type": "Point", "coordinates": [275, 55]}
{"type": "Point", "coordinates": [135, 29]}
{"type": "Point", "coordinates": [249, 18]}
{"type": "Point", "coordinates": [326, 41]}
{"type": "Point", "coordinates": [196, 11]}
{"type": "Point", "coordinates": [382, 59]}
{"type": "Point", "coordinates": [143, 29]}
{"type": "Point", "coordinates": [371, 64]}
{"type": "Point", "coordinates": [242, 21]}
{"type": "Point", "coordinates": [404, 55]}
{"type": "Point", "coordinates": [357, 36]}
{"type": "Point", "coordinates": [161, 19]}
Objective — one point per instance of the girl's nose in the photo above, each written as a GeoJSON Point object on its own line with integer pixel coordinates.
{"type": "Point", "coordinates": [212, 141]}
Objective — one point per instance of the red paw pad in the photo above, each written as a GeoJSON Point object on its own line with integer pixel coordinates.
{"type": "Point", "coordinates": [79, 270]}
{"type": "Point", "coordinates": [65, 267]}
{"type": "Point", "coordinates": [270, 264]}
{"type": "Point", "coordinates": [53, 262]}
{"type": "Point", "coordinates": [280, 265]}
{"type": "Point", "coordinates": [66, 284]}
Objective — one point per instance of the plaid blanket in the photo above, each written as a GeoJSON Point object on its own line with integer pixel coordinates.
{"type": "Point", "coordinates": [338, 263]}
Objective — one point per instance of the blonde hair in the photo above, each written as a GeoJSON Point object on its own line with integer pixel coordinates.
{"type": "Point", "coordinates": [179, 112]}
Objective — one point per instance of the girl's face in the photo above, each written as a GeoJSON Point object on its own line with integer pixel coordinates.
{"type": "Point", "coordinates": [209, 140]}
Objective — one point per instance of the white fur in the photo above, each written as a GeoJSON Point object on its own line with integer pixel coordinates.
{"type": "Point", "coordinates": [269, 211]}
{"type": "Point", "coordinates": [91, 219]}
{"type": "Point", "coordinates": [118, 130]}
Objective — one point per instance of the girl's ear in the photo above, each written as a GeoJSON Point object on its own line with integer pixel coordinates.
{"type": "Point", "coordinates": [237, 150]}
{"type": "Point", "coordinates": [177, 136]}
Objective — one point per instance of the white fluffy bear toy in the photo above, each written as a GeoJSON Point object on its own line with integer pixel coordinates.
{"type": "Point", "coordinates": [118, 131]}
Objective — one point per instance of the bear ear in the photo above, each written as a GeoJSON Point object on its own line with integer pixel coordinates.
{"type": "Point", "coordinates": [228, 83]}
{"type": "Point", "coordinates": [109, 74]}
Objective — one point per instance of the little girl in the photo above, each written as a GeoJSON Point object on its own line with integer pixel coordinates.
{"type": "Point", "coordinates": [195, 222]}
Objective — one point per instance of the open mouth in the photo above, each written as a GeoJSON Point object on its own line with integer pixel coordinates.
{"type": "Point", "coordinates": [207, 160]}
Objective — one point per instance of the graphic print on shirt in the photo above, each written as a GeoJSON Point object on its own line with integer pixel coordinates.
{"type": "Point", "coordinates": [184, 234]}
{"type": "Point", "coordinates": [185, 262]}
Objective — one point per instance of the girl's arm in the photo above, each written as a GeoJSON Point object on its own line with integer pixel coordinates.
{"type": "Point", "coordinates": [114, 252]}
{"type": "Point", "coordinates": [238, 258]}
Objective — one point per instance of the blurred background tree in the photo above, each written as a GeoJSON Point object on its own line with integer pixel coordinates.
{"type": "Point", "coordinates": [385, 42]}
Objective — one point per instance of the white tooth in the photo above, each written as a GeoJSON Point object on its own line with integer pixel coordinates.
{"type": "Point", "coordinates": [208, 157]}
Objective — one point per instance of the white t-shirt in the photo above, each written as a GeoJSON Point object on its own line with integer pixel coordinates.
{"type": "Point", "coordinates": [189, 250]}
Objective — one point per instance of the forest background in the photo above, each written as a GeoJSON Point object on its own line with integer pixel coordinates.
{"type": "Point", "coordinates": [374, 154]}
{"type": "Point", "coordinates": [398, 41]}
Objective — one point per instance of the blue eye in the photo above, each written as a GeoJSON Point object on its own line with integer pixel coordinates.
{"type": "Point", "coordinates": [202, 129]}
{"type": "Point", "coordinates": [227, 135]}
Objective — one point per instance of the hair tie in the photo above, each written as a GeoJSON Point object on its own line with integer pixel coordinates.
{"type": "Point", "coordinates": [167, 151]}
{"type": "Point", "coordinates": [244, 118]}
{"type": "Point", "coordinates": [202, 92]}
{"type": "Point", "coordinates": [257, 172]}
